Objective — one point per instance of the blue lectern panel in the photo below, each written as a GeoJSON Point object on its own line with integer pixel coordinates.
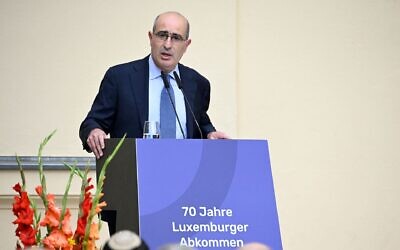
{"type": "Point", "coordinates": [206, 194]}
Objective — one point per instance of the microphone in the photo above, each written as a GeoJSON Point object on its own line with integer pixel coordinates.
{"type": "Point", "coordinates": [167, 86]}
{"type": "Point", "coordinates": [179, 82]}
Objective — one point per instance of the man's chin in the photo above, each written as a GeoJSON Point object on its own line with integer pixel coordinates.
{"type": "Point", "coordinates": [167, 67]}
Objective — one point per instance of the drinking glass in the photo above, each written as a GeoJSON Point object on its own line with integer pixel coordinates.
{"type": "Point", "coordinates": [151, 130]}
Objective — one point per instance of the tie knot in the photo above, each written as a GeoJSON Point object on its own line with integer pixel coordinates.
{"type": "Point", "coordinates": [165, 77]}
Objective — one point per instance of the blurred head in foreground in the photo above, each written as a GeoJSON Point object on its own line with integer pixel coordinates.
{"type": "Point", "coordinates": [254, 246]}
{"type": "Point", "coordinates": [125, 240]}
{"type": "Point", "coordinates": [174, 247]}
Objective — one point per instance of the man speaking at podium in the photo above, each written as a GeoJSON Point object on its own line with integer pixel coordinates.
{"type": "Point", "coordinates": [156, 88]}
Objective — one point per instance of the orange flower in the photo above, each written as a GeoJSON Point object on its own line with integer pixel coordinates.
{"type": "Point", "coordinates": [26, 234]}
{"type": "Point", "coordinates": [57, 221]}
{"type": "Point", "coordinates": [21, 202]}
{"type": "Point", "coordinates": [59, 236]}
{"type": "Point", "coordinates": [85, 207]}
{"type": "Point", "coordinates": [66, 226]}
{"type": "Point", "coordinates": [53, 213]}
{"type": "Point", "coordinates": [57, 239]}
{"type": "Point", "coordinates": [93, 236]}
{"type": "Point", "coordinates": [17, 187]}
{"type": "Point", "coordinates": [100, 206]}
{"type": "Point", "coordinates": [25, 216]}
{"type": "Point", "coordinates": [39, 190]}
{"type": "Point", "coordinates": [24, 213]}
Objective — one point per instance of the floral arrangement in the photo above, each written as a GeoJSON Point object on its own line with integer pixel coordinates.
{"type": "Point", "coordinates": [57, 220]}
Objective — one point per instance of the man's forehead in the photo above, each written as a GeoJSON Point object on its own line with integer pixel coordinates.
{"type": "Point", "coordinates": [171, 22]}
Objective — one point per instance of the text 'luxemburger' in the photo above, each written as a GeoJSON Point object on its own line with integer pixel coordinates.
{"type": "Point", "coordinates": [209, 227]}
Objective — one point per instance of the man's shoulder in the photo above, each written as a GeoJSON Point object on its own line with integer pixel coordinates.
{"type": "Point", "coordinates": [136, 65]}
{"type": "Point", "coordinates": [191, 73]}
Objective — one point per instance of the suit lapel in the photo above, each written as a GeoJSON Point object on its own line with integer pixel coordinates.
{"type": "Point", "coordinates": [189, 87]}
{"type": "Point", "coordinates": [139, 82]}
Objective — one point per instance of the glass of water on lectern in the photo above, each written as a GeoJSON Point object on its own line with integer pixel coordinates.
{"type": "Point", "coordinates": [151, 130]}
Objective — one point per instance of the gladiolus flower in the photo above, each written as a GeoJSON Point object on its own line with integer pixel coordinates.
{"type": "Point", "coordinates": [39, 190]}
{"type": "Point", "coordinates": [100, 206]}
{"type": "Point", "coordinates": [85, 207]}
{"type": "Point", "coordinates": [26, 234]}
{"type": "Point", "coordinates": [24, 213]}
{"type": "Point", "coordinates": [17, 187]}
{"type": "Point", "coordinates": [57, 240]}
{"type": "Point", "coordinates": [93, 236]}
{"type": "Point", "coordinates": [53, 213]}
{"type": "Point", "coordinates": [57, 220]}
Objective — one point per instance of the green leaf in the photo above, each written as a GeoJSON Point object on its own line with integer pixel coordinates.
{"type": "Point", "coordinates": [99, 189]}
{"type": "Point", "coordinates": [21, 171]}
{"type": "Point", "coordinates": [65, 197]}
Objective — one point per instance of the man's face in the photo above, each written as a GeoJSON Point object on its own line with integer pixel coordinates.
{"type": "Point", "coordinates": [168, 42]}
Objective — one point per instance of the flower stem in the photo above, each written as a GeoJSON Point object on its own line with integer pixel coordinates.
{"type": "Point", "coordinates": [41, 173]}
{"type": "Point", "coordinates": [99, 190]}
{"type": "Point", "coordinates": [21, 171]}
{"type": "Point", "coordinates": [65, 197]}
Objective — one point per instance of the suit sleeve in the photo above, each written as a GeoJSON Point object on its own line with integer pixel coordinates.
{"type": "Point", "coordinates": [204, 121]}
{"type": "Point", "coordinates": [102, 112]}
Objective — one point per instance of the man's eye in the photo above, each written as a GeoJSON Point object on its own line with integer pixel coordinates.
{"type": "Point", "coordinates": [176, 37]}
{"type": "Point", "coordinates": [162, 34]}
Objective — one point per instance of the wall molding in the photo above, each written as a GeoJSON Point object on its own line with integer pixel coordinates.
{"type": "Point", "coordinates": [49, 162]}
{"type": "Point", "coordinates": [6, 201]}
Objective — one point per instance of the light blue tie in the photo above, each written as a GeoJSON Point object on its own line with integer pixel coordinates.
{"type": "Point", "coordinates": [167, 114]}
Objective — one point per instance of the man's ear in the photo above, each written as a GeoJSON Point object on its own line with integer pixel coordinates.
{"type": "Point", "coordinates": [188, 42]}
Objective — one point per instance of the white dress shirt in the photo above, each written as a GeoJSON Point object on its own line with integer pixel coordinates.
{"type": "Point", "coordinates": [155, 87]}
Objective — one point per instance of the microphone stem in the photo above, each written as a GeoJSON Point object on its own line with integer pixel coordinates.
{"type": "Point", "coordinates": [179, 82]}
{"type": "Point", "coordinates": [194, 118]}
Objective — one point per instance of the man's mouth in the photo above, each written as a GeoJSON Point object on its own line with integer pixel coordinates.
{"type": "Point", "coordinates": [165, 55]}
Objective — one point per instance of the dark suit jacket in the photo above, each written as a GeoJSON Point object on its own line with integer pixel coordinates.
{"type": "Point", "coordinates": [122, 103]}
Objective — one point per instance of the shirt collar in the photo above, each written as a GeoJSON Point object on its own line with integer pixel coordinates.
{"type": "Point", "coordinates": [155, 72]}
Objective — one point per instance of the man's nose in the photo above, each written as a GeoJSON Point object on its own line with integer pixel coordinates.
{"type": "Point", "coordinates": [168, 43]}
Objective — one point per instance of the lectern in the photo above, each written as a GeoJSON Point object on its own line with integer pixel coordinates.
{"type": "Point", "coordinates": [208, 194]}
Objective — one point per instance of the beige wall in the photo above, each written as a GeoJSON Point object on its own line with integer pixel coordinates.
{"type": "Point", "coordinates": [319, 79]}
{"type": "Point", "coordinates": [322, 81]}
{"type": "Point", "coordinates": [55, 53]}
